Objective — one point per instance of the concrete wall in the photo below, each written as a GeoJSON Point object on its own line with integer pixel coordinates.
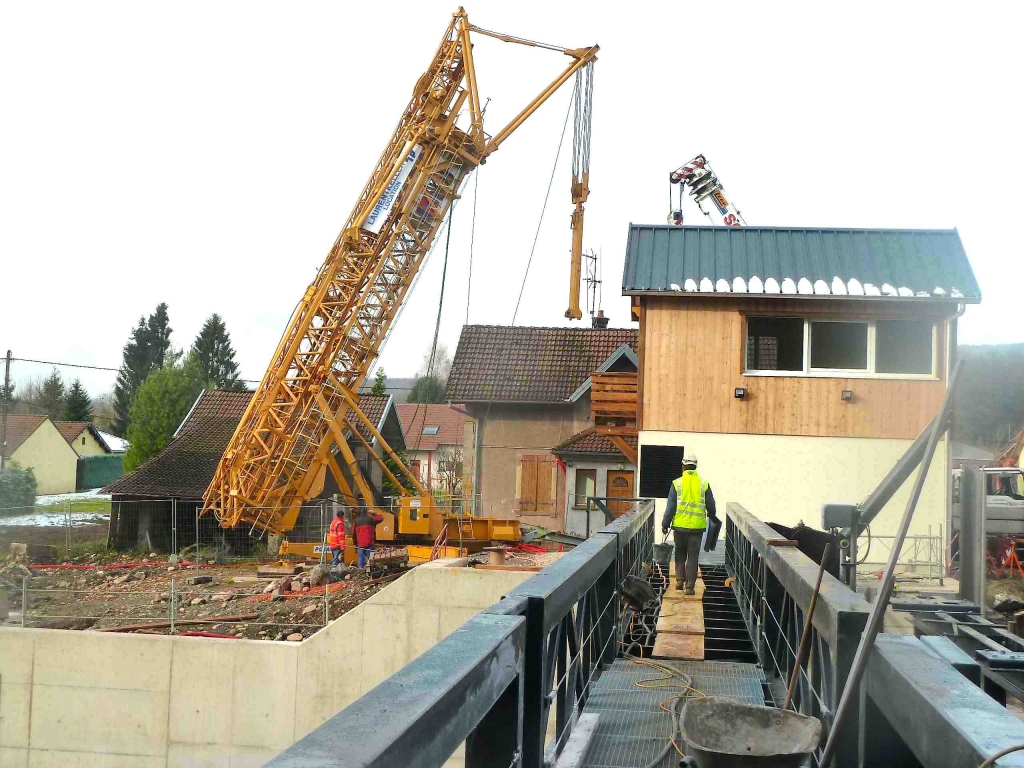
{"type": "Point", "coordinates": [785, 479]}
{"type": "Point", "coordinates": [505, 432]}
{"type": "Point", "coordinates": [106, 700]}
{"type": "Point", "coordinates": [53, 461]}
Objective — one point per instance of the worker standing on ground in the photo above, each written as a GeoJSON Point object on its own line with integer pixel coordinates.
{"type": "Point", "coordinates": [366, 534]}
{"type": "Point", "coordinates": [690, 501]}
{"type": "Point", "coordinates": [336, 538]}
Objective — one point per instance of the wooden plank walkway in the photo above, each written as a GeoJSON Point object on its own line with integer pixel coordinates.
{"type": "Point", "coordinates": [681, 624]}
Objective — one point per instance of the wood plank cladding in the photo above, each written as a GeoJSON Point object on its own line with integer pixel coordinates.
{"type": "Point", "coordinates": [691, 360]}
{"type": "Point", "coordinates": [613, 398]}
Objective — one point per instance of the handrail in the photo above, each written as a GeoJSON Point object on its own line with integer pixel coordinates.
{"type": "Point", "coordinates": [493, 681]}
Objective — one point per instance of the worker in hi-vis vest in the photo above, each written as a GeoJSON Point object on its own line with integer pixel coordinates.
{"type": "Point", "coordinates": [690, 501]}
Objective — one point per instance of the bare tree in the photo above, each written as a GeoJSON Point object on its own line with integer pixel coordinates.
{"type": "Point", "coordinates": [448, 477]}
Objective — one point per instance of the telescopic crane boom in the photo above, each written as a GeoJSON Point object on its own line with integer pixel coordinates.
{"type": "Point", "coordinates": [296, 420]}
{"type": "Point", "coordinates": [707, 191]}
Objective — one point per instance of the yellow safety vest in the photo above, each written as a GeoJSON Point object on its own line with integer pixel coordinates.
{"type": "Point", "coordinates": [691, 512]}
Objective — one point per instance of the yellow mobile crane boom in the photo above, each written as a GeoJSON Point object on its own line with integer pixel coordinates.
{"type": "Point", "coordinates": [285, 442]}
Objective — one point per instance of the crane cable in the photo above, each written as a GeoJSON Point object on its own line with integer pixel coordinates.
{"type": "Point", "coordinates": [551, 181]}
{"type": "Point", "coordinates": [472, 238]}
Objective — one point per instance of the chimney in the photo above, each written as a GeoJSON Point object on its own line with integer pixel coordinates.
{"type": "Point", "coordinates": [599, 320]}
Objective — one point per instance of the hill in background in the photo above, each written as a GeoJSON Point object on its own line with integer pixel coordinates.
{"type": "Point", "coordinates": [990, 400]}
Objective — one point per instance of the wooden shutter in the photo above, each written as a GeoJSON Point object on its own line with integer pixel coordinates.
{"type": "Point", "coordinates": [545, 485]}
{"type": "Point", "coordinates": [527, 501]}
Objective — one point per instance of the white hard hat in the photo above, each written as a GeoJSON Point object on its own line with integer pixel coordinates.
{"type": "Point", "coordinates": [690, 458]}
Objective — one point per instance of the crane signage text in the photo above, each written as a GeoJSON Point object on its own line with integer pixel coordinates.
{"type": "Point", "coordinates": [375, 221]}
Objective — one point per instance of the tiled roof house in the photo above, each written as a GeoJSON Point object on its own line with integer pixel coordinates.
{"type": "Point", "coordinates": [525, 392]}
{"type": "Point", "coordinates": [184, 469]}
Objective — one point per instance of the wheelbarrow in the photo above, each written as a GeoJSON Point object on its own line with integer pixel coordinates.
{"type": "Point", "coordinates": [721, 733]}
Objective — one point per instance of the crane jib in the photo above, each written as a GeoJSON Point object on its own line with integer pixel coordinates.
{"type": "Point", "coordinates": [382, 209]}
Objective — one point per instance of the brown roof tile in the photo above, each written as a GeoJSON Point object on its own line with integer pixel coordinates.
{"type": "Point", "coordinates": [529, 365]}
{"type": "Point", "coordinates": [69, 430]}
{"type": "Point", "coordinates": [417, 416]}
{"type": "Point", "coordinates": [185, 467]}
{"type": "Point", "coordinates": [19, 428]}
{"type": "Point", "coordinates": [589, 441]}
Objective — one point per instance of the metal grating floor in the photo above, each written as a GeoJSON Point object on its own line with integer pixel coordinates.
{"type": "Point", "coordinates": [632, 728]}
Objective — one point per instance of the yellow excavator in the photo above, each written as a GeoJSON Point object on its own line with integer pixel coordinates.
{"type": "Point", "coordinates": [298, 424]}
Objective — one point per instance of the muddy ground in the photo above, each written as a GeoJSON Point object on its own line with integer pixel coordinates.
{"type": "Point", "coordinates": [119, 590]}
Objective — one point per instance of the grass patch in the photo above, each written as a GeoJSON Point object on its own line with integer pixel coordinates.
{"type": "Point", "coordinates": [87, 505]}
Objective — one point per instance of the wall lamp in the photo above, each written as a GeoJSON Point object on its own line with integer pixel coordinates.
{"type": "Point", "coordinates": [847, 395]}
{"type": "Point", "coordinates": [739, 393]}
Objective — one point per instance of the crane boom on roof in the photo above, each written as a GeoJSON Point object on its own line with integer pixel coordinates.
{"type": "Point", "coordinates": [297, 419]}
{"type": "Point", "coordinates": [707, 191]}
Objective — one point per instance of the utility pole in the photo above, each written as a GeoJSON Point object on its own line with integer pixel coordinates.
{"type": "Point", "coordinates": [3, 418]}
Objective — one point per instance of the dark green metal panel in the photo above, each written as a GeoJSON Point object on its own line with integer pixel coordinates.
{"type": "Point", "coordinates": [864, 263]}
{"type": "Point", "coordinates": [98, 471]}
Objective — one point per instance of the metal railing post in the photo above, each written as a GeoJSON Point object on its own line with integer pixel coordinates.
{"type": "Point", "coordinates": [24, 600]}
{"type": "Point", "coordinates": [171, 600]}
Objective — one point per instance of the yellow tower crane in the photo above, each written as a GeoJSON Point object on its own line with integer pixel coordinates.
{"type": "Point", "coordinates": [286, 441]}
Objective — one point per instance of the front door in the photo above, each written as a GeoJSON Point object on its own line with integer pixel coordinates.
{"type": "Point", "coordinates": [620, 486]}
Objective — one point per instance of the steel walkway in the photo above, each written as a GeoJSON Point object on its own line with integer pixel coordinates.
{"type": "Point", "coordinates": [632, 727]}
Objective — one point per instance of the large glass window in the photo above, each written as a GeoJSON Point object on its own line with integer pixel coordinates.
{"type": "Point", "coordinates": [586, 485]}
{"type": "Point", "coordinates": [839, 345]}
{"type": "Point", "coordinates": [903, 346]}
{"type": "Point", "coordinates": [775, 344]}
{"type": "Point", "coordinates": [796, 346]}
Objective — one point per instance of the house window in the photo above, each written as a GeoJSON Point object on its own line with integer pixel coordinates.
{"type": "Point", "coordinates": [903, 346]}
{"type": "Point", "coordinates": [535, 485]}
{"type": "Point", "coordinates": [792, 346]}
{"type": "Point", "coordinates": [430, 430]}
{"type": "Point", "coordinates": [775, 344]}
{"type": "Point", "coordinates": [586, 485]}
{"type": "Point", "coordinates": [839, 346]}
{"type": "Point", "coordinates": [83, 439]}
{"type": "Point", "coordinates": [659, 466]}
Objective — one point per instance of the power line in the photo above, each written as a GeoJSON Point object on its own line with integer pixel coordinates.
{"type": "Point", "coordinates": [91, 367]}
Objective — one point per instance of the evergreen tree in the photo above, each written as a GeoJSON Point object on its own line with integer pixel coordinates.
{"type": "Point", "coordinates": [159, 329]}
{"type": "Point", "coordinates": [379, 383]}
{"type": "Point", "coordinates": [77, 404]}
{"type": "Point", "coordinates": [147, 348]}
{"type": "Point", "coordinates": [135, 367]}
{"type": "Point", "coordinates": [159, 406]}
{"type": "Point", "coordinates": [51, 398]}
{"type": "Point", "coordinates": [6, 393]}
{"type": "Point", "coordinates": [215, 355]}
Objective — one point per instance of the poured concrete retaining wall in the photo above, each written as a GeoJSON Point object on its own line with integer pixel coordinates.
{"type": "Point", "coordinates": [107, 700]}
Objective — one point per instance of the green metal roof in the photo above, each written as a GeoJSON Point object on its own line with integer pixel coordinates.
{"type": "Point", "coordinates": [787, 261]}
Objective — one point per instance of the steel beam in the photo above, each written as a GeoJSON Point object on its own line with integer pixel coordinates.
{"type": "Point", "coordinates": [420, 716]}
{"type": "Point", "coordinates": [840, 613]}
{"type": "Point", "coordinates": [945, 720]}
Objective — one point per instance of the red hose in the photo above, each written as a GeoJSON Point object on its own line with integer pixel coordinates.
{"type": "Point", "coordinates": [531, 548]}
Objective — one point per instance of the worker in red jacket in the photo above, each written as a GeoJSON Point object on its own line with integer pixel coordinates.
{"type": "Point", "coordinates": [366, 534]}
{"type": "Point", "coordinates": [336, 538]}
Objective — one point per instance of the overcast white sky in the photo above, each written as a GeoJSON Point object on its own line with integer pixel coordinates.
{"type": "Point", "coordinates": [207, 153]}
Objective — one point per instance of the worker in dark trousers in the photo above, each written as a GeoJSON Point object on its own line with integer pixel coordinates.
{"type": "Point", "coordinates": [365, 534]}
{"type": "Point", "coordinates": [690, 501]}
{"type": "Point", "coordinates": [336, 538]}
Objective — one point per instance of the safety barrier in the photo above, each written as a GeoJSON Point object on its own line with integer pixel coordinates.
{"type": "Point", "coordinates": [493, 682]}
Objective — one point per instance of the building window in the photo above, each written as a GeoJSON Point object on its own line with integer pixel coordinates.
{"type": "Point", "coordinates": [775, 344]}
{"type": "Point", "coordinates": [792, 346]}
{"type": "Point", "coordinates": [839, 346]}
{"type": "Point", "coordinates": [659, 466]}
{"type": "Point", "coordinates": [430, 430]}
{"type": "Point", "coordinates": [903, 346]}
{"type": "Point", "coordinates": [83, 439]}
{"type": "Point", "coordinates": [586, 485]}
